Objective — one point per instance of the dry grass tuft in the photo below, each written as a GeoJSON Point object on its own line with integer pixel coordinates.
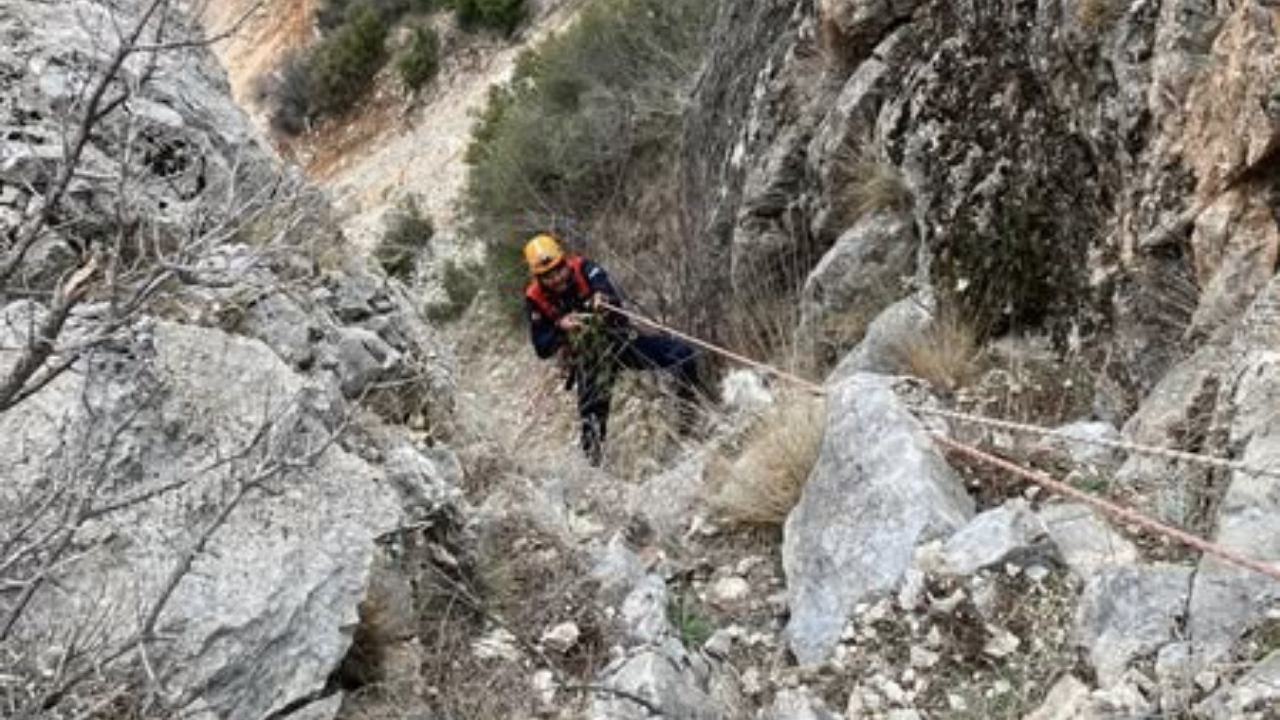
{"type": "Point", "coordinates": [1099, 15]}
{"type": "Point", "coordinates": [763, 484]}
{"type": "Point", "coordinates": [945, 354]}
{"type": "Point", "coordinates": [865, 183]}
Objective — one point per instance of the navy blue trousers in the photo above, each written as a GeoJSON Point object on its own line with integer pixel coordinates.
{"type": "Point", "coordinates": [594, 379]}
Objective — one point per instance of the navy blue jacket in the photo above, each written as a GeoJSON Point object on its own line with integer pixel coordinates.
{"type": "Point", "coordinates": [547, 338]}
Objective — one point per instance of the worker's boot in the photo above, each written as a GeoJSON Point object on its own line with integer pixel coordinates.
{"type": "Point", "coordinates": [593, 440]}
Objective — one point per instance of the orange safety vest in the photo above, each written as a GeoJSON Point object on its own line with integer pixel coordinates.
{"type": "Point", "coordinates": [538, 295]}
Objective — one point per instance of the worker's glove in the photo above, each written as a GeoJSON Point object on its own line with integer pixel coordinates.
{"type": "Point", "coordinates": [572, 323]}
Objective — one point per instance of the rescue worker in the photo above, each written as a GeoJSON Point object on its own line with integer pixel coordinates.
{"type": "Point", "coordinates": [567, 321]}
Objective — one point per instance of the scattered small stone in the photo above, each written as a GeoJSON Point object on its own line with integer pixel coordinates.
{"type": "Point", "coordinates": [1038, 573]}
{"type": "Point", "coordinates": [751, 684]}
{"type": "Point", "coordinates": [957, 702]}
{"type": "Point", "coordinates": [1000, 687]}
{"type": "Point", "coordinates": [913, 590]}
{"type": "Point", "coordinates": [1207, 680]}
{"type": "Point", "coordinates": [923, 658]}
{"type": "Point", "coordinates": [729, 592]}
{"type": "Point", "coordinates": [1068, 698]}
{"type": "Point", "coordinates": [934, 638]}
{"type": "Point", "coordinates": [497, 645]}
{"type": "Point", "coordinates": [893, 692]}
{"type": "Point", "coordinates": [747, 564]}
{"type": "Point", "coordinates": [562, 637]}
{"type": "Point", "coordinates": [948, 604]}
{"type": "Point", "coordinates": [721, 642]}
{"type": "Point", "coordinates": [1002, 643]}
{"type": "Point", "coordinates": [544, 688]}
{"type": "Point", "coordinates": [877, 612]}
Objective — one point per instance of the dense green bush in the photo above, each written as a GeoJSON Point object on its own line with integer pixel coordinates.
{"type": "Point", "coordinates": [420, 59]}
{"type": "Point", "coordinates": [406, 234]}
{"type": "Point", "coordinates": [554, 143]}
{"type": "Point", "coordinates": [332, 14]}
{"type": "Point", "coordinates": [504, 15]}
{"type": "Point", "coordinates": [343, 64]}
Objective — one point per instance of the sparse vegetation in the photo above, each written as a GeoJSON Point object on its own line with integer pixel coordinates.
{"type": "Point", "coordinates": [592, 103]}
{"type": "Point", "coordinates": [692, 625]}
{"type": "Point", "coordinates": [945, 353]}
{"type": "Point", "coordinates": [461, 282]}
{"type": "Point", "coordinates": [763, 484]}
{"type": "Point", "coordinates": [867, 183]}
{"type": "Point", "coordinates": [504, 15]}
{"type": "Point", "coordinates": [328, 79]}
{"type": "Point", "coordinates": [343, 64]}
{"type": "Point", "coordinates": [407, 234]}
{"type": "Point", "coordinates": [1099, 15]}
{"type": "Point", "coordinates": [419, 61]}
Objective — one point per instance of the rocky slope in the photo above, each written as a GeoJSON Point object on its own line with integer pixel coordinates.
{"type": "Point", "coordinates": [1093, 181]}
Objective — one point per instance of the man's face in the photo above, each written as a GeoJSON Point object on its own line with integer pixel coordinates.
{"type": "Point", "coordinates": [556, 279]}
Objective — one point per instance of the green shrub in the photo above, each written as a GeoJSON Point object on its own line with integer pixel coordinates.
{"type": "Point", "coordinates": [504, 15]}
{"type": "Point", "coordinates": [343, 64]}
{"type": "Point", "coordinates": [553, 145]}
{"type": "Point", "coordinates": [420, 59]}
{"type": "Point", "coordinates": [461, 283]}
{"type": "Point", "coordinates": [287, 92]}
{"type": "Point", "coordinates": [332, 14]}
{"type": "Point", "coordinates": [406, 234]}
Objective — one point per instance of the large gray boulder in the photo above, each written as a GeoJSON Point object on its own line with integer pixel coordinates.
{"type": "Point", "coordinates": [1085, 541]}
{"type": "Point", "coordinates": [879, 488]}
{"type": "Point", "coordinates": [1126, 612]}
{"type": "Point", "coordinates": [669, 682]}
{"type": "Point", "coordinates": [1177, 414]}
{"type": "Point", "coordinates": [881, 348]}
{"type": "Point", "coordinates": [996, 536]}
{"type": "Point", "coordinates": [211, 451]}
{"type": "Point", "coordinates": [1226, 599]}
{"type": "Point", "coordinates": [864, 272]}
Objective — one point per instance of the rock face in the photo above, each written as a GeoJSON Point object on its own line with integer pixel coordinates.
{"type": "Point", "coordinates": [878, 489]}
{"type": "Point", "coordinates": [1126, 612]}
{"type": "Point", "coordinates": [1226, 600]}
{"type": "Point", "coordinates": [1080, 160]}
{"type": "Point", "coordinates": [196, 423]}
{"type": "Point", "coordinates": [199, 481]}
{"type": "Point", "coordinates": [181, 146]}
{"type": "Point", "coordinates": [1085, 541]}
{"type": "Point", "coordinates": [862, 274]}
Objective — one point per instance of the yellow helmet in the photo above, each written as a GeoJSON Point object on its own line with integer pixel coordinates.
{"type": "Point", "coordinates": [542, 253]}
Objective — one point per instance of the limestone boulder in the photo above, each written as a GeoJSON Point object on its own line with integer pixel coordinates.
{"type": "Point", "coordinates": [879, 488]}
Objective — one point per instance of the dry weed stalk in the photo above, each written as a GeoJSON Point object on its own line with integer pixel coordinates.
{"type": "Point", "coordinates": [945, 354]}
{"type": "Point", "coordinates": [763, 484]}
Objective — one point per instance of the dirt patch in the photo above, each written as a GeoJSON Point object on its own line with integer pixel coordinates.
{"type": "Point", "coordinates": [267, 30]}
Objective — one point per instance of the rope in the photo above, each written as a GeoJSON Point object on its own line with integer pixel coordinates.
{"type": "Point", "coordinates": [1040, 478]}
{"type": "Point", "coordinates": [794, 379]}
{"type": "Point", "coordinates": [1166, 453]}
{"type": "Point", "coordinates": [1119, 511]}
